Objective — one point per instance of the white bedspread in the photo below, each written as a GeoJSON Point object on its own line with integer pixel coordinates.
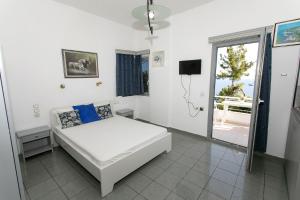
{"type": "Point", "coordinates": [108, 140]}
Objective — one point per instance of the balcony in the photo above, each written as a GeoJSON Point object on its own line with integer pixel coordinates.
{"type": "Point", "coordinates": [232, 116]}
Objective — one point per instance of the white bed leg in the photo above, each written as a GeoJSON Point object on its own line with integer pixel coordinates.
{"type": "Point", "coordinates": [106, 188]}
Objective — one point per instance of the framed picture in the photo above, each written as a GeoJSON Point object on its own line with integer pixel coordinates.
{"type": "Point", "coordinates": [287, 33]}
{"type": "Point", "coordinates": [158, 59]}
{"type": "Point", "coordinates": [79, 64]}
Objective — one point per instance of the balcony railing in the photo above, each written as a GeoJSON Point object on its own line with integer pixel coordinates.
{"type": "Point", "coordinates": [236, 104]}
{"type": "Point", "coordinates": [232, 109]}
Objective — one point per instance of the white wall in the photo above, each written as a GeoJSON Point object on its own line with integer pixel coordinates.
{"type": "Point", "coordinates": [285, 61]}
{"type": "Point", "coordinates": [33, 32]}
{"type": "Point", "coordinates": [188, 39]}
{"type": "Point", "coordinates": [156, 106]}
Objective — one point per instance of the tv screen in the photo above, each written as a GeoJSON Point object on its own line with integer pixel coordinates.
{"type": "Point", "coordinates": [190, 67]}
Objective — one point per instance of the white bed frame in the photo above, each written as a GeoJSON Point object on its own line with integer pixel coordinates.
{"type": "Point", "coordinates": [110, 174]}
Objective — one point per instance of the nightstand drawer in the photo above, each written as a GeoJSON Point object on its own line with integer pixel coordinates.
{"type": "Point", "coordinates": [36, 136]}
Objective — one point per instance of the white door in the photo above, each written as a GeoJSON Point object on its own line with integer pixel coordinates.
{"type": "Point", "coordinates": [9, 188]}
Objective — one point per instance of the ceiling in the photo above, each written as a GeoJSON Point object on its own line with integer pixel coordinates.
{"type": "Point", "coordinates": [120, 10]}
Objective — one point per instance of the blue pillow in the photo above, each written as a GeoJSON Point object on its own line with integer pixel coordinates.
{"type": "Point", "coordinates": [87, 113]}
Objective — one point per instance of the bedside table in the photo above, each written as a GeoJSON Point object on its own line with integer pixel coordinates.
{"type": "Point", "coordinates": [35, 141]}
{"type": "Point", "coordinates": [129, 113]}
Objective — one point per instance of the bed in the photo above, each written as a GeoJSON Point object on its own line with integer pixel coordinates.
{"type": "Point", "coordinates": [112, 148]}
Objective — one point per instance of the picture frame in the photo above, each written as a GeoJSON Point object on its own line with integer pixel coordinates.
{"type": "Point", "coordinates": [80, 64]}
{"type": "Point", "coordinates": [158, 59]}
{"type": "Point", "coordinates": [286, 33]}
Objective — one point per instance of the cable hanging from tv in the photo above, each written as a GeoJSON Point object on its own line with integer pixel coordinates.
{"type": "Point", "coordinates": [187, 98]}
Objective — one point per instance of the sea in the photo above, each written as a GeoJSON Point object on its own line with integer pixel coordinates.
{"type": "Point", "coordinates": [248, 86]}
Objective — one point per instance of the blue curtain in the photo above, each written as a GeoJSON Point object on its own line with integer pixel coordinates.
{"type": "Point", "coordinates": [129, 75]}
{"type": "Point", "coordinates": [263, 111]}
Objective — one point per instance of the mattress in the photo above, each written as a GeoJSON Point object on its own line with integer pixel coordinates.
{"type": "Point", "coordinates": [107, 141]}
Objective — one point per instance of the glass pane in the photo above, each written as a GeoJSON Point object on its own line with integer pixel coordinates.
{"type": "Point", "coordinates": [234, 89]}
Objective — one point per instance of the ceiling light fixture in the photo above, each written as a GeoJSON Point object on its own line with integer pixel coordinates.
{"type": "Point", "coordinates": [151, 15]}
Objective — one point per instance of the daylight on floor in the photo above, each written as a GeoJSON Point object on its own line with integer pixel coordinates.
{"type": "Point", "coordinates": [235, 77]}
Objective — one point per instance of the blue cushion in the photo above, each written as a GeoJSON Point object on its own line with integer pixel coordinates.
{"type": "Point", "coordinates": [87, 113]}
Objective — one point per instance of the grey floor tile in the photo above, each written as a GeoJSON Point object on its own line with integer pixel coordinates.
{"type": "Point", "coordinates": [40, 190]}
{"type": "Point", "coordinates": [225, 176]}
{"type": "Point", "coordinates": [168, 180]}
{"type": "Point", "coordinates": [162, 162]}
{"type": "Point", "coordinates": [88, 194]}
{"type": "Point", "coordinates": [229, 166]}
{"type": "Point", "coordinates": [210, 159]}
{"type": "Point", "coordinates": [205, 195]}
{"type": "Point", "coordinates": [67, 177]}
{"type": "Point", "coordinates": [219, 188]}
{"type": "Point", "coordinates": [155, 191]}
{"type": "Point", "coordinates": [54, 195]}
{"type": "Point", "coordinates": [121, 193]}
{"type": "Point", "coordinates": [239, 194]}
{"type": "Point", "coordinates": [249, 185]}
{"type": "Point", "coordinates": [34, 172]}
{"type": "Point", "coordinates": [36, 178]}
{"type": "Point", "coordinates": [178, 169]}
{"type": "Point", "coordinates": [151, 171]}
{"type": "Point", "coordinates": [75, 187]}
{"type": "Point", "coordinates": [275, 183]}
{"type": "Point", "coordinates": [215, 152]}
{"type": "Point", "coordinates": [197, 178]}
{"type": "Point", "coordinates": [274, 169]}
{"type": "Point", "coordinates": [273, 194]}
{"type": "Point", "coordinates": [139, 197]}
{"type": "Point", "coordinates": [173, 155]}
{"type": "Point", "coordinates": [194, 153]}
{"type": "Point", "coordinates": [218, 147]}
{"type": "Point", "coordinates": [179, 149]}
{"type": "Point", "coordinates": [187, 190]}
{"type": "Point", "coordinates": [27, 196]}
{"type": "Point", "coordinates": [253, 177]}
{"type": "Point", "coordinates": [234, 156]}
{"type": "Point", "coordinates": [190, 162]}
{"type": "Point", "coordinates": [58, 168]}
{"type": "Point", "coordinates": [174, 196]}
{"type": "Point", "coordinates": [204, 167]}
{"type": "Point", "coordinates": [138, 181]}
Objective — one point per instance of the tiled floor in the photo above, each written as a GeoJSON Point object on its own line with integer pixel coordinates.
{"type": "Point", "coordinates": [194, 170]}
{"type": "Point", "coordinates": [232, 133]}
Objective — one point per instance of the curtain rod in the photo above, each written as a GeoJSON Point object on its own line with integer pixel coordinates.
{"type": "Point", "coordinates": [120, 51]}
{"type": "Point", "coordinates": [241, 34]}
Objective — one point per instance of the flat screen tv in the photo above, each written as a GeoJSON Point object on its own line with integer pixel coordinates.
{"type": "Point", "coordinates": [189, 67]}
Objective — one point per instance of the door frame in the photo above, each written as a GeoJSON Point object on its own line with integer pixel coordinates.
{"type": "Point", "coordinates": [255, 35]}
{"type": "Point", "coordinates": [11, 127]}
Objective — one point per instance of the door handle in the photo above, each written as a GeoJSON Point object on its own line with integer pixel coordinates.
{"type": "Point", "coordinates": [261, 101]}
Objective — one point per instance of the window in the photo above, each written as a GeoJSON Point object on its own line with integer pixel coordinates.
{"type": "Point", "coordinates": [145, 70]}
{"type": "Point", "coordinates": [132, 73]}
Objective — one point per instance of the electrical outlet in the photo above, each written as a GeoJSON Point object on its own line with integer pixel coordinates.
{"type": "Point", "coordinates": [36, 110]}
